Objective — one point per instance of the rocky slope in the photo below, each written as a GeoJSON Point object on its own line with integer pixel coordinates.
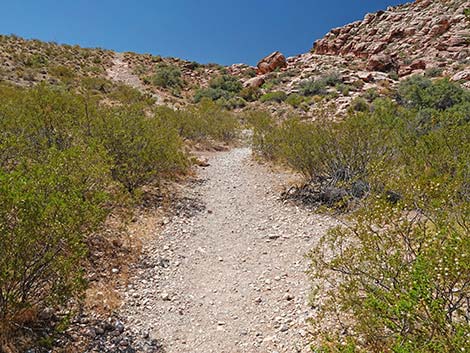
{"type": "Point", "coordinates": [427, 37]}
{"type": "Point", "coordinates": [407, 38]}
{"type": "Point", "coordinates": [423, 37]}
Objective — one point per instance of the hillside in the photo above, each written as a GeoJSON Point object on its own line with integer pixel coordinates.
{"type": "Point", "coordinates": [314, 203]}
{"type": "Point", "coordinates": [423, 37]}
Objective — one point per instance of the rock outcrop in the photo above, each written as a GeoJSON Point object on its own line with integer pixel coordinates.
{"type": "Point", "coordinates": [421, 34]}
{"type": "Point", "coordinates": [272, 62]}
{"type": "Point", "coordinates": [254, 82]}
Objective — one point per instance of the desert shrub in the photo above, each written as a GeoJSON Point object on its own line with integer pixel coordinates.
{"type": "Point", "coordinates": [129, 95]}
{"type": "Point", "coordinates": [207, 120]}
{"type": "Point", "coordinates": [168, 76]}
{"type": "Point", "coordinates": [213, 94]}
{"type": "Point", "coordinates": [399, 275]}
{"type": "Point", "coordinates": [393, 75]}
{"type": "Point", "coordinates": [371, 94]}
{"type": "Point", "coordinates": [444, 94]}
{"type": "Point", "coordinates": [42, 117]}
{"type": "Point", "coordinates": [319, 86]}
{"type": "Point", "coordinates": [232, 103]}
{"type": "Point", "coordinates": [59, 154]}
{"type": "Point", "coordinates": [250, 94]}
{"type": "Point", "coordinates": [63, 73]}
{"type": "Point", "coordinates": [336, 159]}
{"type": "Point", "coordinates": [420, 93]}
{"type": "Point", "coordinates": [97, 85]}
{"type": "Point", "coordinates": [143, 150]}
{"type": "Point", "coordinates": [359, 104]}
{"type": "Point", "coordinates": [249, 72]}
{"type": "Point", "coordinates": [396, 277]}
{"type": "Point", "coordinates": [295, 100]}
{"type": "Point", "coordinates": [433, 72]}
{"type": "Point", "coordinates": [332, 78]}
{"type": "Point", "coordinates": [342, 88]}
{"type": "Point", "coordinates": [277, 96]}
{"type": "Point", "coordinates": [397, 281]}
{"type": "Point", "coordinates": [313, 88]}
{"type": "Point", "coordinates": [193, 65]}
{"type": "Point", "coordinates": [47, 209]}
{"type": "Point", "coordinates": [36, 61]}
{"type": "Point", "coordinates": [266, 135]}
{"type": "Point", "coordinates": [226, 83]}
{"type": "Point", "coordinates": [223, 86]}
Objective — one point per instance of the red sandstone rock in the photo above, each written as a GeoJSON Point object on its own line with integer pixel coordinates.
{"type": "Point", "coordinates": [272, 62]}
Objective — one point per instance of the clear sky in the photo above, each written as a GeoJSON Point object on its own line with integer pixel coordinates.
{"type": "Point", "coordinates": [219, 31]}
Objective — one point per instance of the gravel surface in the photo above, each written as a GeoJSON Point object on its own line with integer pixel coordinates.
{"type": "Point", "coordinates": [227, 274]}
{"type": "Point", "coordinates": [120, 72]}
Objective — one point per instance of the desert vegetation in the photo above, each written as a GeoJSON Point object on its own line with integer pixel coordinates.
{"type": "Point", "coordinates": [110, 241]}
{"type": "Point", "coordinates": [67, 160]}
{"type": "Point", "coordinates": [395, 278]}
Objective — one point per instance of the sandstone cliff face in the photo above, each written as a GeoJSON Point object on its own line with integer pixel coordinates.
{"type": "Point", "coordinates": [411, 37]}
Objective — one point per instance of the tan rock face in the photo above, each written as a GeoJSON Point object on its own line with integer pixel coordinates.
{"type": "Point", "coordinates": [272, 62]}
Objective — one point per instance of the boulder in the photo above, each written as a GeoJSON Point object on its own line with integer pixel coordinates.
{"type": "Point", "coordinates": [462, 76]}
{"type": "Point", "coordinates": [365, 76]}
{"type": "Point", "coordinates": [418, 65]}
{"type": "Point", "coordinates": [381, 62]}
{"type": "Point", "coordinates": [254, 82]}
{"type": "Point", "coordinates": [272, 62]}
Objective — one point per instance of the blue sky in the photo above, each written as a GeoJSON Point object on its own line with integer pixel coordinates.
{"type": "Point", "coordinates": [219, 31]}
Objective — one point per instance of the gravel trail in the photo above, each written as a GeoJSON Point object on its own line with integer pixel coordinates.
{"type": "Point", "coordinates": [227, 274]}
{"type": "Point", "coordinates": [120, 72]}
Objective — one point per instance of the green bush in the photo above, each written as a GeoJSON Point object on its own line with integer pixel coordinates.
{"type": "Point", "coordinates": [332, 79]}
{"type": "Point", "coordinates": [433, 72]}
{"type": "Point", "coordinates": [336, 159]}
{"type": "Point", "coordinates": [63, 73]}
{"type": "Point", "coordinates": [143, 149]}
{"type": "Point", "coordinates": [395, 277]}
{"type": "Point", "coordinates": [397, 281]}
{"type": "Point", "coordinates": [97, 84]}
{"type": "Point", "coordinates": [224, 86]}
{"type": "Point", "coordinates": [207, 120]}
{"type": "Point", "coordinates": [226, 83]}
{"type": "Point", "coordinates": [420, 93]}
{"type": "Point", "coordinates": [59, 153]}
{"type": "Point", "coordinates": [47, 209]}
{"type": "Point", "coordinates": [295, 100]}
{"type": "Point", "coordinates": [313, 88]}
{"type": "Point", "coordinates": [399, 273]}
{"type": "Point", "coordinates": [213, 94]}
{"type": "Point", "coordinates": [277, 96]}
{"type": "Point", "coordinates": [168, 76]}
{"type": "Point", "coordinates": [371, 94]}
{"type": "Point", "coordinates": [266, 136]}
{"type": "Point", "coordinates": [319, 86]}
{"type": "Point", "coordinates": [232, 103]}
{"type": "Point", "coordinates": [343, 89]}
{"type": "Point", "coordinates": [129, 95]}
{"type": "Point", "coordinates": [36, 61]}
{"type": "Point", "coordinates": [359, 104]}
{"type": "Point", "coordinates": [250, 94]}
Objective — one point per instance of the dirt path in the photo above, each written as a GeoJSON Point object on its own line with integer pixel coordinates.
{"type": "Point", "coordinates": [120, 72]}
{"type": "Point", "coordinates": [228, 273]}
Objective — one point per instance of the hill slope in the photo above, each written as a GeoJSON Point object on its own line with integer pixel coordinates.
{"type": "Point", "coordinates": [427, 37]}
